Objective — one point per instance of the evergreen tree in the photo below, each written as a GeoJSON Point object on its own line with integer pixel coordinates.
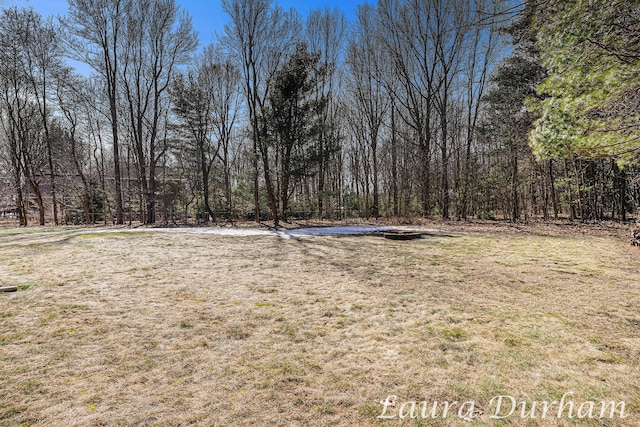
{"type": "Point", "coordinates": [508, 120]}
{"type": "Point", "coordinates": [591, 98]}
{"type": "Point", "coordinates": [293, 120]}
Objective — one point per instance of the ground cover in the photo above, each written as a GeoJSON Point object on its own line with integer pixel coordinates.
{"type": "Point", "coordinates": [168, 329]}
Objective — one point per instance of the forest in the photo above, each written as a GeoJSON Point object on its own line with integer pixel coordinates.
{"type": "Point", "coordinates": [454, 109]}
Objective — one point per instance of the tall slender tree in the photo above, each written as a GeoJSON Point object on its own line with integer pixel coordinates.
{"type": "Point", "coordinates": [364, 59]}
{"type": "Point", "coordinates": [157, 38]}
{"type": "Point", "coordinates": [27, 63]}
{"type": "Point", "coordinates": [411, 77]}
{"type": "Point", "coordinates": [205, 101]}
{"type": "Point", "coordinates": [95, 29]}
{"type": "Point", "coordinates": [325, 34]}
{"type": "Point", "coordinates": [508, 120]}
{"type": "Point", "coordinates": [294, 120]}
{"type": "Point", "coordinates": [259, 37]}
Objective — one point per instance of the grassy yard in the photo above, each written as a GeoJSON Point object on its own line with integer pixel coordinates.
{"type": "Point", "coordinates": [173, 329]}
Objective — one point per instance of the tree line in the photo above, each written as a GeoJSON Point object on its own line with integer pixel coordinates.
{"type": "Point", "coordinates": [447, 108]}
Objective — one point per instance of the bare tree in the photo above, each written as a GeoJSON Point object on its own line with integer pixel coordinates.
{"type": "Point", "coordinates": [325, 31]}
{"type": "Point", "coordinates": [96, 29]}
{"type": "Point", "coordinates": [72, 100]}
{"type": "Point", "coordinates": [23, 77]}
{"type": "Point", "coordinates": [192, 106]}
{"type": "Point", "coordinates": [411, 76]}
{"type": "Point", "coordinates": [43, 59]}
{"type": "Point", "coordinates": [451, 23]}
{"type": "Point", "coordinates": [14, 109]}
{"type": "Point", "coordinates": [157, 38]}
{"type": "Point", "coordinates": [222, 78]}
{"type": "Point", "coordinates": [259, 36]}
{"type": "Point", "coordinates": [206, 102]}
{"type": "Point", "coordinates": [482, 49]}
{"type": "Point", "coordinates": [364, 60]}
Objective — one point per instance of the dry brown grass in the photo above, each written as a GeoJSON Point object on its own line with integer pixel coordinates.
{"type": "Point", "coordinates": [183, 329]}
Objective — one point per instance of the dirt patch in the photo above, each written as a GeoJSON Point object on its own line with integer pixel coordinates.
{"type": "Point", "coordinates": [545, 228]}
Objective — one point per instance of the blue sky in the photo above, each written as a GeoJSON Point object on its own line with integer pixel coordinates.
{"type": "Point", "coordinates": [207, 15]}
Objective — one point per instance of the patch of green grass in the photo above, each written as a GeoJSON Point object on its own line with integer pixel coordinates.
{"type": "Point", "coordinates": [308, 335]}
{"type": "Point", "coordinates": [523, 359]}
{"type": "Point", "coordinates": [9, 338]}
{"type": "Point", "coordinates": [290, 331]}
{"type": "Point", "coordinates": [263, 304]}
{"type": "Point", "coordinates": [512, 342]}
{"type": "Point", "coordinates": [610, 358]}
{"type": "Point", "coordinates": [446, 347]}
{"type": "Point", "coordinates": [50, 315]}
{"type": "Point", "coordinates": [489, 387]}
{"type": "Point", "coordinates": [327, 408]}
{"type": "Point", "coordinates": [454, 334]}
{"type": "Point", "coordinates": [286, 369]}
{"type": "Point", "coordinates": [12, 412]}
{"type": "Point", "coordinates": [370, 410]}
{"type": "Point", "coordinates": [29, 387]}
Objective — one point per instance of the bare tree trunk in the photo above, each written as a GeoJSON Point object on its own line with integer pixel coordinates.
{"type": "Point", "coordinates": [552, 184]}
{"type": "Point", "coordinates": [514, 184]}
{"type": "Point", "coordinates": [375, 211]}
{"type": "Point", "coordinates": [426, 179]}
{"type": "Point", "coordinates": [394, 162]}
{"type": "Point", "coordinates": [14, 154]}
{"type": "Point", "coordinates": [578, 179]}
{"type": "Point", "coordinates": [86, 197]}
{"type": "Point", "coordinates": [205, 168]}
{"type": "Point", "coordinates": [271, 195]}
{"type": "Point", "coordinates": [620, 190]}
{"type": "Point", "coordinates": [445, 157]}
{"type": "Point", "coordinates": [321, 177]}
{"type": "Point", "coordinates": [22, 211]}
{"type": "Point", "coordinates": [38, 195]}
